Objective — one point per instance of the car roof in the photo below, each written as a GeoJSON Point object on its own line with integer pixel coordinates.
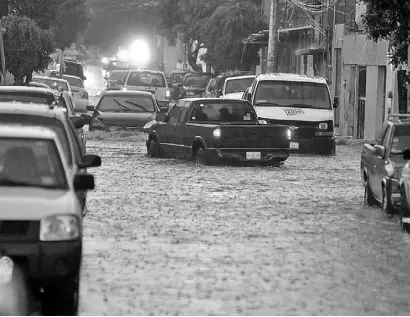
{"type": "Point", "coordinates": [127, 93]}
{"type": "Point", "coordinates": [27, 131]}
{"type": "Point", "coordinates": [399, 119]}
{"type": "Point", "coordinates": [51, 78]}
{"type": "Point", "coordinates": [33, 109]}
{"type": "Point", "coordinates": [291, 77]}
{"type": "Point", "coordinates": [240, 77]}
{"type": "Point", "coordinates": [26, 89]}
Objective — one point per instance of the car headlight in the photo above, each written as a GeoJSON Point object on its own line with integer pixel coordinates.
{"type": "Point", "coordinates": [59, 228]}
{"type": "Point", "coordinates": [323, 126]}
{"type": "Point", "coordinates": [289, 133]}
{"type": "Point", "coordinates": [217, 133]}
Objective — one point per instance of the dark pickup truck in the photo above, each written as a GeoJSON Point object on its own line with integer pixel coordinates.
{"type": "Point", "coordinates": [211, 130]}
{"type": "Point", "coordinates": [382, 164]}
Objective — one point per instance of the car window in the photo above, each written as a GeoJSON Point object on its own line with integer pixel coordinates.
{"type": "Point", "coordinates": [52, 83]}
{"type": "Point", "coordinates": [224, 112]}
{"type": "Point", "coordinates": [401, 139]}
{"type": "Point", "coordinates": [132, 103]}
{"type": "Point", "coordinates": [175, 114]}
{"type": "Point", "coordinates": [196, 80]}
{"type": "Point", "coordinates": [76, 82]}
{"type": "Point", "coordinates": [237, 85]}
{"type": "Point", "coordinates": [146, 79]}
{"type": "Point", "coordinates": [31, 162]}
{"type": "Point", "coordinates": [183, 111]}
{"type": "Point", "coordinates": [176, 78]}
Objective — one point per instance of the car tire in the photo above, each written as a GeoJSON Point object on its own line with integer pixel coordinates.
{"type": "Point", "coordinates": [404, 213]}
{"type": "Point", "coordinates": [369, 199]}
{"type": "Point", "coordinates": [200, 158]}
{"type": "Point", "coordinates": [154, 149]}
{"type": "Point", "coordinates": [387, 206]}
{"type": "Point", "coordinates": [61, 299]}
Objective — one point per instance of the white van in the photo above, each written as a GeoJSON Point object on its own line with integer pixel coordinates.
{"type": "Point", "coordinates": [301, 102]}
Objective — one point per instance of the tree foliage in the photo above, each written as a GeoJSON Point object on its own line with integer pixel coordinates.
{"type": "Point", "coordinates": [389, 19]}
{"type": "Point", "coordinates": [27, 47]}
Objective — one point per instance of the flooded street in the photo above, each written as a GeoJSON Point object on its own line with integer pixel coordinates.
{"type": "Point", "coordinates": [166, 237]}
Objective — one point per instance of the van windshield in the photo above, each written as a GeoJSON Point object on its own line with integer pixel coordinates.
{"type": "Point", "coordinates": [293, 94]}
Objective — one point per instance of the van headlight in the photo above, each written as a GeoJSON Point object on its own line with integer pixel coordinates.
{"type": "Point", "coordinates": [289, 133]}
{"type": "Point", "coordinates": [217, 133]}
{"type": "Point", "coordinates": [323, 126]}
{"type": "Point", "coordinates": [59, 228]}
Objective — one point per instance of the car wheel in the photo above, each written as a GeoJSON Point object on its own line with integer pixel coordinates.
{"type": "Point", "coordinates": [153, 149]}
{"type": "Point", "coordinates": [387, 206]}
{"type": "Point", "coordinates": [369, 199]}
{"type": "Point", "coordinates": [404, 213]}
{"type": "Point", "coordinates": [200, 158]}
{"type": "Point", "coordinates": [61, 299]}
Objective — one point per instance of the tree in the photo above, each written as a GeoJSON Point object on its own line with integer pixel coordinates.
{"type": "Point", "coordinates": [223, 32]}
{"type": "Point", "coordinates": [44, 12]}
{"type": "Point", "coordinates": [27, 47]}
{"type": "Point", "coordinates": [389, 20]}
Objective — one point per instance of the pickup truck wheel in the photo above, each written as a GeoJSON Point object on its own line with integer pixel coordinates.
{"type": "Point", "coordinates": [387, 206]}
{"type": "Point", "coordinates": [153, 149]}
{"type": "Point", "coordinates": [200, 158]}
{"type": "Point", "coordinates": [368, 196]}
{"type": "Point", "coordinates": [404, 213]}
{"type": "Point", "coordinates": [61, 299]}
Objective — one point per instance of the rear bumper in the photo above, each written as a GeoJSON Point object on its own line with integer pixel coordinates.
{"type": "Point", "coordinates": [315, 145]}
{"type": "Point", "coordinates": [45, 262]}
{"type": "Point", "coordinates": [267, 155]}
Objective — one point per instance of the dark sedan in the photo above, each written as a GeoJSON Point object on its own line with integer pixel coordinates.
{"type": "Point", "coordinates": [125, 109]}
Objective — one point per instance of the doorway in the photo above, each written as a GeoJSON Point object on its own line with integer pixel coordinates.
{"type": "Point", "coordinates": [361, 110]}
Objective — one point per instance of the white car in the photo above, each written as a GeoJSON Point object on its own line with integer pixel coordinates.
{"type": "Point", "coordinates": [234, 87]}
{"type": "Point", "coordinates": [79, 92]}
{"type": "Point", "coordinates": [41, 217]}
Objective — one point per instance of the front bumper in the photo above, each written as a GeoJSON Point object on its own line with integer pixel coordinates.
{"type": "Point", "coordinates": [45, 262]}
{"type": "Point", "coordinates": [315, 145]}
{"type": "Point", "coordinates": [239, 155]}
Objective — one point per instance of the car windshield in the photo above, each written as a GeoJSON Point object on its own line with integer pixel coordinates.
{"type": "Point", "coordinates": [146, 79]}
{"type": "Point", "coordinates": [292, 94]}
{"type": "Point", "coordinates": [224, 112]}
{"type": "Point", "coordinates": [198, 81]}
{"type": "Point", "coordinates": [27, 97]}
{"type": "Point", "coordinates": [73, 81]}
{"type": "Point", "coordinates": [116, 75]}
{"type": "Point", "coordinates": [176, 78]}
{"type": "Point", "coordinates": [51, 123]}
{"type": "Point", "coordinates": [31, 163]}
{"type": "Point", "coordinates": [52, 83]}
{"type": "Point", "coordinates": [237, 85]}
{"type": "Point", "coordinates": [132, 103]}
{"type": "Point", "coordinates": [401, 139]}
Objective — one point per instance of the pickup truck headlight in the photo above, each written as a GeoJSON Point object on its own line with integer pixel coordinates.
{"type": "Point", "coordinates": [217, 133]}
{"type": "Point", "coordinates": [59, 228]}
{"type": "Point", "coordinates": [323, 126]}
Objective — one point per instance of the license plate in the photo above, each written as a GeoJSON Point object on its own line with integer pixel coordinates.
{"type": "Point", "coordinates": [253, 155]}
{"type": "Point", "coordinates": [294, 145]}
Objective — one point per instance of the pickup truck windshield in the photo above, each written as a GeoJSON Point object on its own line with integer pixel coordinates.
{"type": "Point", "coordinates": [146, 79]}
{"type": "Point", "coordinates": [293, 94]}
{"type": "Point", "coordinates": [31, 163]}
{"type": "Point", "coordinates": [224, 112]}
{"type": "Point", "coordinates": [401, 139]}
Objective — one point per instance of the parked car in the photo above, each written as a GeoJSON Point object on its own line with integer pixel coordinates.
{"type": "Point", "coordinates": [301, 102]}
{"type": "Point", "coordinates": [74, 68]}
{"type": "Point", "coordinates": [234, 87]}
{"type": "Point", "coordinates": [382, 163]}
{"type": "Point", "coordinates": [56, 119]}
{"type": "Point", "coordinates": [79, 92]}
{"type": "Point", "coordinates": [125, 109]}
{"type": "Point", "coordinates": [153, 81]}
{"type": "Point", "coordinates": [28, 94]}
{"type": "Point", "coordinates": [116, 80]}
{"type": "Point", "coordinates": [40, 85]}
{"type": "Point", "coordinates": [210, 130]}
{"type": "Point", "coordinates": [214, 88]}
{"type": "Point", "coordinates": [56, 84]}
{"type": "Point", "coordinates": [194, 84]}
{"type": "Point", "coordinates": [41, 216]}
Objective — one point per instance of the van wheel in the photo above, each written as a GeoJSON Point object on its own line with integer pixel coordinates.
{"type": "Point", "coordinates": [369, 199]}
{"type": "Point", "coordinates": [200, 158]}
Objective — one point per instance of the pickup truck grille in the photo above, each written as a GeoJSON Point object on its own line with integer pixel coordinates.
{"type": "Point", "coordinates": [19, 229]}
{"type": "Point", "coordinates": [306, 129]}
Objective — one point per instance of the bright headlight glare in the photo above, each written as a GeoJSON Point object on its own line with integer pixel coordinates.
{"type": "Point", "coordinates": [59, 228]}
{"type": "Point", "coordinates": [217, 133]}
{"type": "Point", "coordinates": [323, 126]}
{"type": "Point", "coordinates": [289, 134]}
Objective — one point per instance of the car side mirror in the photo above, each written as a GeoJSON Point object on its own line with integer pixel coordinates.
{"type": "Point", "coordinates": [406, 154]}
{"type": "Point", "coordinates": [86, 118]}
{"type": "Point", "coordinates": [335, 102]}
{"type": "Point", "coordinates": [84, 182]}
{"type": "Point", "coordinates": [90, 108]}
{"type": "Point", "coordinates": [77, 121]}
{"type": "Point", "coordinates": [248, 96]}
{"type": "Point", "coordinates": [160, 117]}
{"type": "Point", "coordinates": [380, 150]}
{"type": "Point", "coordinates": [89, 161]}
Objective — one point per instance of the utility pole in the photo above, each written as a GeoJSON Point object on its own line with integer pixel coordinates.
{"type": "Point", "coordinates": [272, 60]}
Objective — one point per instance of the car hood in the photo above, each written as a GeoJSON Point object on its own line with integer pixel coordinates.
{"type": "Point", "coordinates": [36, 203]}
{"type": "Point", "coordinates": [234, 95]}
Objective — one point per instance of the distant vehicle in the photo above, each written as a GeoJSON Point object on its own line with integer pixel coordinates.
{"type": "Point", "coordinates": [116, 80]}
{"type": "Point", "coordinates": [212, 130]}
{"type": "Point", "coordinates": [152, 81]}
{"type": "Point", "coordinates": [56, 84]}
{"type": "Point", "coordinates": [301, 102]}
{"type": "Point", "coordinates": [41, 216]}
{"type": "Point", "coordinates": [215, 85]}
{"type": "Point", "coordinates": [115, 65]}
{"type": "Point", "coordinates": [74, 68]}
{"type": "Point", "coordinates": [177, 77]}
{"type": "Point", "coordinates": [194, 84]}
{"type": "Point", "coordinates": [234, 87]}
{"type": "Point", "coordinates": [79, 92]}
{"type": "Point", "coordinates": [126, 109]}
{"type": "Point", "coordinates": [382, 164]}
